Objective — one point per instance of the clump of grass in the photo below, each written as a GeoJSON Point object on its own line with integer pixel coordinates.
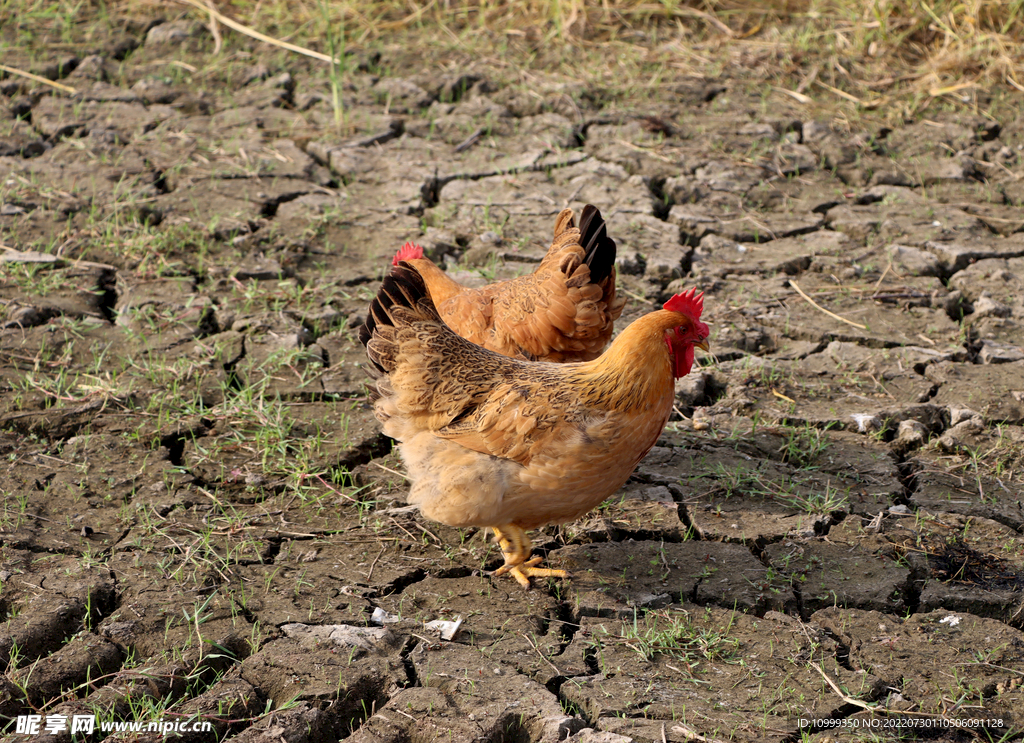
{"type": "Point", "coordinates": [822, 503]}
{"type": "Point", "coordinates": [802, 446]}
{"type": "Point", "coordinates": [797, 492]}
{"type": "Point", "coordinates": [336, 49]}
{"type": "Point", "coordinates": [674, 633]}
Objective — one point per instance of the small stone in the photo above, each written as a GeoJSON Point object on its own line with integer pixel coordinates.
{"type": "Point", "coordinates": [175, 32]}
{"type": "Point", "coordinates": [914, 261]}
{"type": "Point", "coordinates": [959, 415]}
{"type": "Point", "coordinates": [999, 353]}
{"type": "Point", "coordinates": [690, 390]}
{"type": "Point", "coordinates": [911, 431]}
{"type": "Point", "coordinates": [985, 306]}
{"type": "Point", "coordinates": [665, 264]}
{"type": "Point", "coordinates": [321, 152]}
{"type": "Point", "coordinates": [815, 131]}
{"type": "Point", "coordinates": [953, 439]}
{"type": "Point", "coordinates": [651, 600]}
{"type": "Point", "coordinates": [702, 420]}
{"type": "Point", "coordinates": [973, 425]}
{"type": "Point", "coordinates": [90, 68]}
{"type": "Point", "coordinates": [795, 158]}
{"type": "Point", "coordinates": [265, 269]}
{"type": "Point", "coordinates": [754, 129]}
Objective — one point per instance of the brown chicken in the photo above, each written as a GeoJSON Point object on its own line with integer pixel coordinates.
{"type": "Point", "coordinates": [563, 311]}
{"type": "Point", "coordinates": [509, 444]}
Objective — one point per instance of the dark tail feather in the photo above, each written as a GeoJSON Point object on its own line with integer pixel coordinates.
{"type": "Point", "coordinates": [598, 247]}
{"type": "Point", "coordinates": [402, 287]}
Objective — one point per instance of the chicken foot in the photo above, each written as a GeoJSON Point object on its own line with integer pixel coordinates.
{"type": "Point", "coordinates": [516, 548]}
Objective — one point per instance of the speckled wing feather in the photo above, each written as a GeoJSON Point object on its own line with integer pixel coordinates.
{"type": "Point", "coordinates": [431, 379]}
{"type": "Point", "coordinates": [516, 420]}
{"type": "Point", "coordinates": [566, 310]}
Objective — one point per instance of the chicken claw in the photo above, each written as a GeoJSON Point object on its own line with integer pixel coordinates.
{"type": "Point", "coordinates": [515, 545]}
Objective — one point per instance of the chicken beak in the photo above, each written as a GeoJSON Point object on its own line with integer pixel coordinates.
{"type": "Point", "coordinates": [703, 346]}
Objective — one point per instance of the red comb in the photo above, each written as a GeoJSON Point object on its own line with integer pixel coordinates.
{"type": "Point", "coordinates": [689, 303]}
{"type": "Point", "coordinates": [407, 253]}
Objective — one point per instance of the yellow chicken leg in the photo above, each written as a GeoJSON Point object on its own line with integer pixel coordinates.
{"type": "Point", "coordinates": [515, 545]}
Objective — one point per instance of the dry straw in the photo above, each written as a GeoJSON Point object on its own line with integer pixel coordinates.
{"type": "Point", "coordinates": [940, 48]}
{"type": "Point", "coordinates": [862, 53]}
{"type": "Point", "coordinates": [37, 78]}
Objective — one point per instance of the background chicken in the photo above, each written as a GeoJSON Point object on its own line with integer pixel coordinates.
{"type": "Point", "coordinates": [563, 311]}
{"type": "Point", "coordinates": [493, 441]}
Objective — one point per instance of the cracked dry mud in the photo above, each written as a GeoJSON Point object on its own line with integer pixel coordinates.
{"type": "Point", "coordinates": [199, 511]}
